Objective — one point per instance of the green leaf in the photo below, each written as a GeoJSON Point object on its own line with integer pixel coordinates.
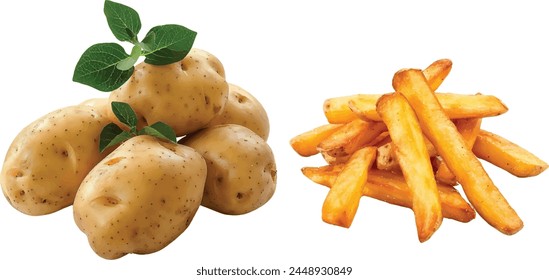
{"type": "Point", "coordinates": [167, 44]}
{"type": "Point", "coordinates": [97, 67]}
{"type": "Point", "coordinates": [125, 113]}
{"type": "Point", "coordinates": [130, 61]}
{"type": "Point", "coordinates": [123, 21]}
{"type": "Point", "coordinates": [112, 135]}
{"type": "Point", "coordinates": [160, 130]}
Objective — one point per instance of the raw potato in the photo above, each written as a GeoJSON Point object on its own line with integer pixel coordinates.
{"type": "Point", "coordinates": [244, 109]}
{"type": "Point", "coordinates": [241, 168]}
{"type": "Point", "coordinates": [186, 95]}
{"type": "Point", "coordinates": [49, 158]}
{"type": "Point", "coordinates": [101, 104]}
{"type": "Point", "coordinates": [140, 197]}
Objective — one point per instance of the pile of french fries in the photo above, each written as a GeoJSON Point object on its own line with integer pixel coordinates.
{"type": "Point", "coordinates": [411, 148]}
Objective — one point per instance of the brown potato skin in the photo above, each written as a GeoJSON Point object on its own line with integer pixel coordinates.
{"type": "Point", "coordinates": [140, 198]}
{"type": "Point", "coordinates": [49, 158]}
{"type": "Point", "coordinates": [241, 168]}
{"type": "Point", "coordinates": [244, 109]}
{"type": "Point", "coordinates": [186, 95]}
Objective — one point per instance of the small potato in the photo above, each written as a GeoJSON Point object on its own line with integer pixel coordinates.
{"type": "Point", "coordinates": [244, 109]}
{"type": "Point", "coordinates": [241, 168]}
{"type": "Point", "coordinates": [49, 158]}
{"type": "Point", "coordinates": [186, 95]}
{"type": "Point", "coordinates": [140, 198]}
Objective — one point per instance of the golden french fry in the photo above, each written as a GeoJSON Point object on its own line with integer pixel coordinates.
{"type": "Point", "coordinates": [337, 109]}
{"type": "Point", "coordinates": [306, 143]}
{"type": "Point", "coordinates": [341, 109]}
{"type": "Point", "coordinates": [351, 137]}
{"type": "Point", "coordinates": [342, 201]}
{"type": "Point", "coordinates": [414, 161]}
{"type": "Point", "coordinates": [507, 155]}
{"type": "Point", "coordinates": [391, 187]}
{"type": "Point", "coordinates": [477, 185]}
{"type": "Point", "coordinates": [334, 160]}
{"type": "Point", "coordinates": [469, 129]}
{"type": "Point", "coordinates": [437, 72]}
{"type": "Point", "coordinates": [456, 106]}
{"type": "Point", "coordinates": [387, 157]}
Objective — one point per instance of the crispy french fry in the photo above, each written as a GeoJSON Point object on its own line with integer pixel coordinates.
{"type": "Point", "coordinates": [334, 160]}
{"type": "Point", "coordinates": [437, 72]}
{"type": "Point", "coordinates": [456, 106]}
{"type": "Point", "coordinates": [391, 187]}
{"type": "Point", "coordinates": [414, 161]}
{"type": "Point", "coordinates": [337, 109]}
{"type": "Point", "coordinates": [507, 155]}
{"type": "Point", "coordinates": [387, 157]}
{"type": "Point", "coordinates": [351, 137]}
{"type": "Point", "coordinates": [306, 143]}
{"type": "Point", "coordinates": [340, 109]}
{"type": "Point", "coordinates": [477, 185]}
{"type": "Point", "coordinates": [469, 129]}
{"type": "Point", "coordinates": [342, 201]}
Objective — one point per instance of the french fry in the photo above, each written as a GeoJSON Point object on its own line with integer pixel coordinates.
{"type": "Point", "coordinates": [351, 137]}
{"type": "Point", "coordinates": [477, 185]}
{"type": "Point", "coordinates": [391, 187]}
{"type": "Point", "coordinates": [337, 109]}
{"type": "Point", "coordinates": [437, 72]}
{"type": "Point", "coordinates": [342, 201]}
{"type": "Point", "coordinates": [507, 155]}
{"type": "Point", "coordinates": [469, 129]}
{"type": "Point", "coordinates": [387, 157]}
{"type": "Point", "coordinates": [364, 105]}
{"type": "Point", "coordinates": [414, 161]}
{"type": "Point", "coordinates": [306, 143]}
{"type": "Point", "coordinates": [456, 106]}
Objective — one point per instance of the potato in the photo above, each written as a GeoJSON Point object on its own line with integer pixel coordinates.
{"type": "Point", "coordinates": [244, 109]}
{"type": "Point", "coordinates": [140, 198]}
{"type": "Point", "coordinates": [186, 95]}
{"type": "Point", "coordinates": [241, 168]}
{"type": "Point", "coordinates": [49, 158]}
{"type": "Point", "coordinates": [101, 104]}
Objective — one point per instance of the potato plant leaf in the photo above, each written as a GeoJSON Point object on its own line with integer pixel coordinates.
{"type": "Point", "coordinates": [167, 44]}
{"type": "Point", "coordinates": [107, 66]}
{"type": "Point", "coordinates": [97, 67]}
{"type": "Point", "coordinates": [112, 135]}
{"type": "Point", "coordinates": [160, 130]}
{"type": "Point", "coordinates": [123, 21]}
{"type": "Point", "coordinates": [124, 112]}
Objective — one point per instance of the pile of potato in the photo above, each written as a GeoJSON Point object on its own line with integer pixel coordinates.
{"type": "Point", "coordinates": [140, 196]}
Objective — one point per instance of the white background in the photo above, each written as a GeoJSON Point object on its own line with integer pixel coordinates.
{"type": "Point", "coordinates": [292, 55]}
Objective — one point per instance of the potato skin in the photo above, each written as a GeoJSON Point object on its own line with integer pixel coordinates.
{"type": "Point", "coordinates": [186, 95]}
{"type": "Point", "coordinates": [49, 158]}
{"type": "Point", "coordinates": [244, 109]}
{"type": "Point", "coordinates": [241, 168]}
{"type": "Point", "coordinates": [140, 198]}
{"type": "Point", "coordinates": [101, 104]}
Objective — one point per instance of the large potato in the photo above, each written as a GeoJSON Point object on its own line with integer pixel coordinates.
{"type": "Point", "coordinates": [241, 168]}
{"type": "Point", "coordinates": [101, 104]}
{"type": "Point", "coordinates": [49, 158]}
{"type": "Point", "coordinates": [186, 95]}
{"type": "Point", "coordinates": [140, 197]}
{"type": "Point", "coordinates": [244, 109]}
